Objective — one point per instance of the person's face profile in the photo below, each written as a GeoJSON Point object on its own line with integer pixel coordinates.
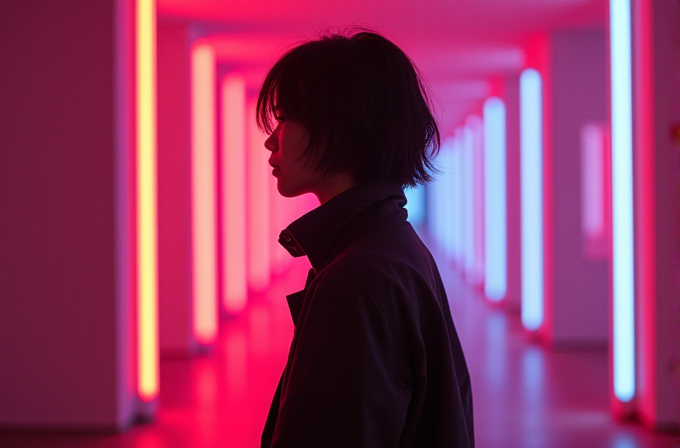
{"type": "Point", "coordinates": [288, 143]}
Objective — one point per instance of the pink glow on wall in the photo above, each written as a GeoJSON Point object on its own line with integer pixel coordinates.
{"type": "Point", "coordinates": [276, 252]}
{"type": "Point", "coordinates": [305, 204]}
{"type": "Point", "coordinates": [147, 236]}
{"type": "Point", "coordinates": [594, 189]}
{"type": "Point", "coordinates": [283, 211]}
{"type": "Point", "coordinates": [233, 100]}
{"type": "Point", "coordinates": [203, 193]}
{"type": "Point", "coordinates": [258, 205]}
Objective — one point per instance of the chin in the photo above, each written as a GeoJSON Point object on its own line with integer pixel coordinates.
{"type": "Point", "coordinates": [288, 192]}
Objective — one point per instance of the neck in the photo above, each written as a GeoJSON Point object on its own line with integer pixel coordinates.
{"type": "Point", "coordinates": [334, 185]}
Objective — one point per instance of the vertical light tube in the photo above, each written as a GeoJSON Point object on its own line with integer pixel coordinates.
{"type": "Point", "coordinates": [622, 200]}
{"type": "Point", "coordinates": [258, 205]}
{"type": "Point", "coordinates": [531, 194]}
{"type": "Point", "coordinates": [203, 193]}
{"type": "Point", "coordinates": [233, 95]}
{"type": "Point", "coordinates": [495, 198]}
{"type": "Point", "coordinates": [147, 237]}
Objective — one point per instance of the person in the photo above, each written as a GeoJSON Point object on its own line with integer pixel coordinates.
{"type": "Point", "coordinates": [375, 360]}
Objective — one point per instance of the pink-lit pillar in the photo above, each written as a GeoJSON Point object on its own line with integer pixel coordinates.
{"type": "Point", "coordinates": [656, 134]}
{"type": "Point", "coordinates": [69, 225]}
{"type": "Point", "coordinates": [233, 181]}
{"type": "Point", "coordinates": [174, 191]}
{"type": "Point", "coordinates": [575, 287]}
{"type": "Point", "coordinates": [510, 95]}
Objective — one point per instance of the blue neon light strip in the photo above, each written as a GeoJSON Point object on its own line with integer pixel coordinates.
{"type": "Point", "coordinates": [495, 216]}
{"type": "Point", "coordinates": [531, 191]}
{"type": "Point", "coordinates": [622, 200]}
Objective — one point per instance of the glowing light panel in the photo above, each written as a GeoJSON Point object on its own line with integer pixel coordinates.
{"type": "Point", "coordinates": [594, 190]}
{"type": "Point", "coordinates": [531, 195]}
{"type": "Point", "coordinates": [622, 200]}
{"type": "Point", "coordinates": [203, 193]}
{"type": "Point", "coordinates": [147, 237]}
{"type": "Point", "coordinates": [234, 193]}
{"type": "Point", "coordinates": [495, 198]}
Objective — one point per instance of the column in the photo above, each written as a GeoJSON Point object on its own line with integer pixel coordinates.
{"type": "Point", "coordinates": [574, 286]}
{"type": "Point", "coordinates": [656, 121]}
{"type": "Point", "coordinates": [174, 196]}
{"type": "Point", "coordinates": [68, 227]}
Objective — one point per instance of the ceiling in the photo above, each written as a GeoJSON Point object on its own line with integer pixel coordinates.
{"type": "Point", "coordinates": [459, 45]}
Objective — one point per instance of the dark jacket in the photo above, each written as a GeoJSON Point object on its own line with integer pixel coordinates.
{"type": "Point", "coordinates": [375, 359]}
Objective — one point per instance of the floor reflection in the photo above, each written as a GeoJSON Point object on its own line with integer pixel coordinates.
{"type": "Point", "coordinates": [525, 396]}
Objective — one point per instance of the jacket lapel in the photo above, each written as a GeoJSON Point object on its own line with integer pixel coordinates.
{"type": "Point", "coordinates": [296, 299]}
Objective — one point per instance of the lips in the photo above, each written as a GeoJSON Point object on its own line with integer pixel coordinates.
{"type": "Point", "coordinates": [275, 169]}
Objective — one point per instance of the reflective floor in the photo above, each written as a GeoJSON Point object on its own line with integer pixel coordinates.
{"type": "Point", "coordinates": [525, 396]}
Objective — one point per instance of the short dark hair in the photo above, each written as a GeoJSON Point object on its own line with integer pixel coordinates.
{"type": "Point", "coordinates": [362, 100]}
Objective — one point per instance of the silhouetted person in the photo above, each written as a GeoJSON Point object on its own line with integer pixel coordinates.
{"type": "Point", "coordinates": [375, 359]}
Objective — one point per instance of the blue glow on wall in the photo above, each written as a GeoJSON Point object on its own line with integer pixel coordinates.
{"type": "Point", "coordinates": [622, 200]}
{"type": "Point", "coordinates": [415, 204]}
{"type": "Point", "coordinates": [495, 200]}
{"type": "Point", "coordinates": [531, 195]}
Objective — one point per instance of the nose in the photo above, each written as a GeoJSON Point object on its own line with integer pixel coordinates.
{"type": "Point", "coordinates": [271, 142]}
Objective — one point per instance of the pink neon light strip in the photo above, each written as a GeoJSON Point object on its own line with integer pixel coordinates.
{"type": "Point", "coordinates": [203, 194]}
{"type": "Point", "coordinates": [235, 291]}
{"type": "Point", "coordinates": [147, 259]}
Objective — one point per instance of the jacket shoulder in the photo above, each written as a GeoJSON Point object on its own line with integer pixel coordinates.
{"type": "Point", "coordinates": [385, 261]}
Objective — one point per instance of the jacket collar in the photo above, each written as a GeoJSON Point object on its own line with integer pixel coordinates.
{"type": "Point", "coordinates": [317, 233]}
